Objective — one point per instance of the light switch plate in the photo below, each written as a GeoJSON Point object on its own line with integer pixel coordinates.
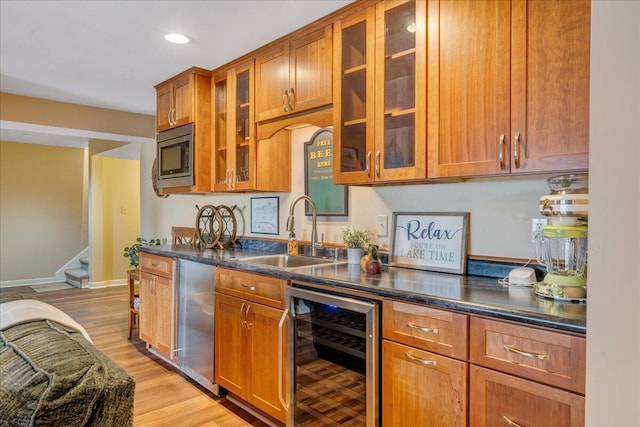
{"type": "Point", "coordinates": [381, 225]}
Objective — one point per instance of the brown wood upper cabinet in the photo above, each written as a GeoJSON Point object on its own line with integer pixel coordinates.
{"type": "Point", "coordinates": [508, 87]}
{"type": "Point", "coordinates": [294, 76]}
{"type": "Point", "coordinates": [181, 98]}
{"type": "Point", "coordinates": [380, 94]}
{"type": "Point", "coordinates": [234, 128]}
{"type": "Point", "coordinates": [236, 149]}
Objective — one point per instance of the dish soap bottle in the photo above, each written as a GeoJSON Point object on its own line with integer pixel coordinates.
{"type": "Point", "coordinates": [292, 244]}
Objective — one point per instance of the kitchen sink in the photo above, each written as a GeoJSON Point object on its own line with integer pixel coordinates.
{"type": "Point", "coordinates": [290, 261]}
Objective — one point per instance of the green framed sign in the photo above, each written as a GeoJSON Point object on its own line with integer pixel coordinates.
{"type": "Point", "coordinates": [330, 199]}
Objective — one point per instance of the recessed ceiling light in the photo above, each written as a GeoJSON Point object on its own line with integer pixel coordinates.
{"type": "Point", "coordinates": [176, 38]}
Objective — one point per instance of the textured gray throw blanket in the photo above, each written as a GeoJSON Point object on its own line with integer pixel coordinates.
{"type": "Point", "coordinates": [52, 376]}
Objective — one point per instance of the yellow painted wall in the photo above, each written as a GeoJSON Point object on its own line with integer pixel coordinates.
{"type": "Point", "coordinates": [115, 216]}
{"type": "Point", "coordinates": [42, 209]}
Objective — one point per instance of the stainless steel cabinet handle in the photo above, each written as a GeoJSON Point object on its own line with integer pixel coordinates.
{"type": "Point", "coordinates": [508, 422]}
{"type": "Point", "coordinates": [154, 265]}
{"type": "Point", "coordinates": [422, 328]}
{"type": "Point", "coordinates": [248, 287]}
{"type": "Point", "coordinates": [378, 164]}
{"type": "Point", "coordinates": [285, 98]}
{"type": "Point", "coordinates": [169, 117]}
{"type": "Point", "coordinates": [501, 148]}
{"type": "Point", "coordinates": [284, 403]}
{"type": "Point", "coordinates": [419, 360]}
{"type": "Point", "coordinates": [368, 164]}
{"type": "Point", "coordinates": [291, 100]}
{"type": "Point", "coordinates": [516, 150]}
{"type": "Point", "coordinates": [539, 356]}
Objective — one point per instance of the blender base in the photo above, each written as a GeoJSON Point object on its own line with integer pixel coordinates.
{"type": "Point", "coordinates": [556, 293]}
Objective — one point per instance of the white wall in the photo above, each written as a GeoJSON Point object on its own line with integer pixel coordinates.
{"type": "Point", "coordinates": [613, 311]}
{"type": "Point", "coordinates": [501, 209]}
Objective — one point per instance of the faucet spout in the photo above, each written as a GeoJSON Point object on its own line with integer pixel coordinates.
{"type": "Point", "coordinates": [314, 214]}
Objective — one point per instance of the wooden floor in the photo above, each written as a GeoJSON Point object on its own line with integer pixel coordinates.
{"type": "Point", "coordinates": [164, 397]}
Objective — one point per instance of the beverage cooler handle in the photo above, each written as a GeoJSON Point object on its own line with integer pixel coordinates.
{"type": "Point", "coordinates": [285, 314]}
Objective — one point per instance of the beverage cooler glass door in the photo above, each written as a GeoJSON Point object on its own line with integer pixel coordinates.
{"type": "Point", "coordinates": [334, 346]}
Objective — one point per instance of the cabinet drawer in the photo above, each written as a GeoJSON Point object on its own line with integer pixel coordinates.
{"type": "Point", "coordinates": [427, 328]}
{"type": "Point", "coordinates": [422, 388]}
{"type": "Point", "coordinates": [253, 287]}
{"type": "Point", "coordinates": [550, 357]}
{"type": "Point", "coordinates": [501, 399]}
{"type": "Point", "coordinates": [156, 264]}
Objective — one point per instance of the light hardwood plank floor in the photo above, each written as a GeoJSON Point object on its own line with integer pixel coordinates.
{"type": "Point", "coordinates": [164, 397]}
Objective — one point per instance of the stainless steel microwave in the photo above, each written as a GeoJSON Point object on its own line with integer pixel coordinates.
{"type": "Point", "coordinates": [175, 157]}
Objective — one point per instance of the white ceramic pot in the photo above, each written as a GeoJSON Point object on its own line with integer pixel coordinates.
{"type": "Point", "coordinates": [354, 255]}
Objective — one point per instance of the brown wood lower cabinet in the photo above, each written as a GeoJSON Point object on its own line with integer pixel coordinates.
{"type": "Point", "coordinates": [525, 376]}
{"type": "Point", "coordinates": [246, 342]}
{"type": "Point", "coordinates": [421, 388]}
{"type": "Point", "coordinates": [156, 302]}
{"type": "Point", "coordinates": [501, 399]}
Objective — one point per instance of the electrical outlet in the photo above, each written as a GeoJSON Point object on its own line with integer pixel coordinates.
{"type": "Point", "coordinates": [536, 226]}
{"type": "Point", "coordinates": [381, 225]}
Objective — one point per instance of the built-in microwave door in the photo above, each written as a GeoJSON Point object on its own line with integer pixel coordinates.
{"type": "Point", "coordinates": [175, 157]}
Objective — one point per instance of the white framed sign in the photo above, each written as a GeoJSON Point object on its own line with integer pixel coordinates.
{"type": "Point", "coordinates": [435, 241]}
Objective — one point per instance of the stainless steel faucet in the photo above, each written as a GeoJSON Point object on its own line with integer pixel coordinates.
{"type": "Point", "coordinates": [314, 214]}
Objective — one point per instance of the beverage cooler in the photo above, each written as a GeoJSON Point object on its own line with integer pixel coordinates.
{"type": "Point", "coordinates": [334, 346]}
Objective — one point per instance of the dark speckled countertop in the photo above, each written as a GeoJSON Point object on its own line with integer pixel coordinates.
{"type": "Point", "coordinates": [469, 294]}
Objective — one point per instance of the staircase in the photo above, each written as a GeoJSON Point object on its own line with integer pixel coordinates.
{"type": "Point", "coordinates": [78, 277]}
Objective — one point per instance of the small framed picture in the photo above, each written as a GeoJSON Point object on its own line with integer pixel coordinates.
{"type": "Point", "coordinates": [430, 241]}
{"type": "Point", "coordinates": [265, 214]}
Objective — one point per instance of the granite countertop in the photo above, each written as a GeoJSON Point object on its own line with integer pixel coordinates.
{"type": "Point", "coordinates": [470, 294]}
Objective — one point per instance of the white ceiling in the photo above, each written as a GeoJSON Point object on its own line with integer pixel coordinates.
{"type": "Point", "coordinates": [110, 54]}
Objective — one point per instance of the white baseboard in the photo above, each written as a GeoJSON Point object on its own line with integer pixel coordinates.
{"type": "Point", "coordinates": [29, 282]}
{"type": "Point", "coordinates": [44, 280]}
{"type": "Point", "coordinates": [107, 283]}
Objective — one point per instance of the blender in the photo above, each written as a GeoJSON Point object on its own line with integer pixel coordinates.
{"type": "Point", "coordinates": [561, 247]}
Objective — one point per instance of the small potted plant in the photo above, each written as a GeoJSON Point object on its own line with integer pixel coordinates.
{"type": "Point", "coordinates": [355, 240]}
{"type": "Point", "coordinates": [133, 252]}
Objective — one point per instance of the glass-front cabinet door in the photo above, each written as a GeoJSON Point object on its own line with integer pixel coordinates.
{"type": "Point", "coordinates": [234, 129]}
{"type": "Point", "coordinates": [380, 98]}
{"type": "Point", "coordinates": [400, 91]}
{"type": "Point", "coordinates": [220, 120]}
{"type": "Point", "coordinates": [353, 135]}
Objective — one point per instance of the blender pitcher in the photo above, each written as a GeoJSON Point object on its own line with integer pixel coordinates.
{"type": "Point", "coordinates": [563, 251]}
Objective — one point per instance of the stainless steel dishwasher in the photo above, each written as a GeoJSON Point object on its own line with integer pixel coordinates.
{"type": "Point", "coordinates": [195, 354]}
